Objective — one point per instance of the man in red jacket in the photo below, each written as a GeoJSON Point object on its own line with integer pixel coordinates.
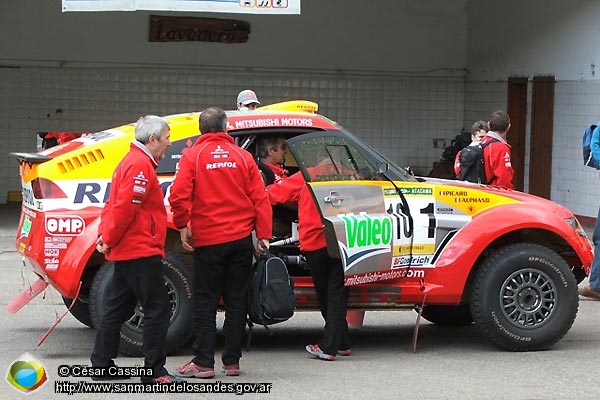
{"type": "Point", "coordinates": [132, 233]}
{"type": "Point", "coordinates": [496, 152]}
{"type": "Point", "coordinates": [327, 272]}
{"type": "Point", "coordinates": [218, 198]}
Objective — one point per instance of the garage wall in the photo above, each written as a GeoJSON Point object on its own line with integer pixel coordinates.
{"type": "Point", "coordinates": [538, 37]}
{"type": "Point", "coordinates": [393, 73]}
{"type": "Point", "coordinates": [398, 116]}
{"type": "Point", "coordinates": [397, 73]}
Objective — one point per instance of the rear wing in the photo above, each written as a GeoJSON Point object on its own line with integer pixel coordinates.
{"type": "Point", "coordinates": [30, 158]}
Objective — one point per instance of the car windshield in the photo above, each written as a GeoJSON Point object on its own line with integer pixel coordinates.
{"type": "Point", "coordinates": [338, 155]}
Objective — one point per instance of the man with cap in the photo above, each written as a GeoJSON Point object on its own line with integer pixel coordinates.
{"type": "Point", "coordinates": [247, 100]}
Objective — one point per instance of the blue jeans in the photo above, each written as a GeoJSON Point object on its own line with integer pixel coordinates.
{"type": "Point", "coordinates": [595, 272]}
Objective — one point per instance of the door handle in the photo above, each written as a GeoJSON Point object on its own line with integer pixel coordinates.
{"type": "Point", "coordinates": [334, 198]}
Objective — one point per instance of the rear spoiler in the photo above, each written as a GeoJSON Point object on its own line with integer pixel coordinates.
{"type": "Point", "coordinates": [31, 158]}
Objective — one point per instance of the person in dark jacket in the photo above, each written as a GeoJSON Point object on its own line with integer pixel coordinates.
{"type": "Point", "coordinates": [132, 233]}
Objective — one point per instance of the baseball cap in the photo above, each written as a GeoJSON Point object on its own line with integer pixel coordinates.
{"type": "Point", "coordinates": [247, 97]}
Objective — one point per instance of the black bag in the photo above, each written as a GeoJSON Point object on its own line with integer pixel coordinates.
{"type": "Point", "coordinates": [471, 164]}
{"type": "Point", "coordinates": [271, 292]}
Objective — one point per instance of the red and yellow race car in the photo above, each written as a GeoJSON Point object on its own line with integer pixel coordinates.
{"type": "Point", "coordinates": [457, 252]}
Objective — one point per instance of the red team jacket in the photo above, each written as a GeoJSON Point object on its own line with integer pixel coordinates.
{"type": "Point", "coordinates": [218, 191]}
{"type": "Point", "coordinates": [134, 220]}
{"type": "Point", "coordinates": [310, 226]}
{"type": "Point", "coordinates": [497, 160]}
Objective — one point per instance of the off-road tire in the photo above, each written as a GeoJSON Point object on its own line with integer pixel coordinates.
{"type": "Point", "coordinates": [524, 297]}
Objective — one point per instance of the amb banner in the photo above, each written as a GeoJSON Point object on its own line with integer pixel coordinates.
{"type": "Point", "coordinates": [219, 6]}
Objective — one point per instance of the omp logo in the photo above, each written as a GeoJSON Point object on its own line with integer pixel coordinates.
{"type": "Point", "coordinates": [64, 225]}
{"type": "Point", "coordinates": [366, 236]}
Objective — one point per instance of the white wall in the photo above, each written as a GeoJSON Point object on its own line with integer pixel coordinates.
{"type": "Point", "coordinates": [393, 73]}
{"type": "Point", "coordinates": [539, 37]}
{"type": "Point", "coordinates": [400, 36]}
{"type": "Point", "coordinates": [534, 37]}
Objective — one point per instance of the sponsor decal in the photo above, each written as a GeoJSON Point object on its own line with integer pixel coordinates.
{"type": "Point", "coordinates": [57, 242]}
{"type": "Point", "coordinates": [366, 236]}
{"type": "Point", "coordinates": [219, 165]}
{"type": "Point", "coordinates": [139, 183]}
{"type": "Point", "coordinates": [454, 193]}
{"type": "Point", "coordinates": [267, 122]}
{"type": "Point", "coordinates": [25, 227]}
{"type": "Point", "coordinates": [96, 193]}
{"type": "Point", "coordinates": [219, 153]}
{"type": "Point", "coordinates": [472, 200]}
{"type": "Point", "coordinates": [51, 263]}
{"type": "Point", "coordinates": [444, 210]}
{"type": "Point", "coordinates": [411, 260]}
{"type": "Point", "coordinates": [64, 225]}
{"type": "Point", "coordinates": [425, 191]}
{"type": "Point", "coordinates": [383, 276]}
{"type": "Point", "coordinates": [417, 190]}
{"type": "Point", "coordinates": [51, 252]}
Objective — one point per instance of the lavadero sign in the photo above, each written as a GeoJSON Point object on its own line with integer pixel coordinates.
{"type": "Point", "coordinates": [366, 236]}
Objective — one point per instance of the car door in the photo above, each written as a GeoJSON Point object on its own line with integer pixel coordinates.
{"type": "Point", "coordinates": [367, 221]}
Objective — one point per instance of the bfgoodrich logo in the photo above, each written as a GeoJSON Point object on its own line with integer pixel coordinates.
{"type": "Point", "coordinates": [26, 374]}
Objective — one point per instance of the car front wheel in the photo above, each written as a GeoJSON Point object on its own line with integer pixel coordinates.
{"type": "Point", "coordinates": [524, 297]}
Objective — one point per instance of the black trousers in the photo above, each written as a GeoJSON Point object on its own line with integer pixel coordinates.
{"type": "Point", "coordinates": [328, 278]}
{"type": "Point", "coordinates": [132, 281]}
{"type": "Point", "coordinates": [221, 270]}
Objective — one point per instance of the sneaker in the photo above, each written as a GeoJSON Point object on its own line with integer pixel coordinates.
{"type": "Point", "coordinates": [166, 379]}
{"type": "Point", "coordinates": [231, 369]}
{"type": "Point", "coordinates": [346, 352]}
{"type": "Point", "coordinates": [316, 351]}
{"type": "Point", "coordinates": [588, 291]}
{"type": "Point", "coordinates": [192, 370]}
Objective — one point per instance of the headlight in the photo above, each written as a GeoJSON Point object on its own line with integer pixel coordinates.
{"type": "Point", "coordinates": [576, 226]}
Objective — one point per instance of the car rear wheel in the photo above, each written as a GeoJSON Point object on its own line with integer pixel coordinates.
{"type": "Point", "coordinates": [80, 310]}
{"type": "Point", "coordinates": [178, 278]}
{"type": "Point", "coordinates": [458, 315]}
{"type": "Point", "coordinates": [524, 297]}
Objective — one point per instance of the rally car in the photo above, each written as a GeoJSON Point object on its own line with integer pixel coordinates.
{"type": "Point", "coordinates": [454, 251]}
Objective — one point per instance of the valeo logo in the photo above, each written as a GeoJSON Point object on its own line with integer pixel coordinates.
{"type": "Point", "coordinates": [364, 230]}
{"type": "Point", "coordinates": [26, 374]}
{"type": "Point", "coordinates": [366, 236]}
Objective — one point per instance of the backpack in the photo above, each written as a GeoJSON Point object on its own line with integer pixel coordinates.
{"type": "Point", "coordinates": [271, 292]}
{"type": "Point", "coordinates": [588, 157]}
{"type": "Point", "coordinates": [472, 165]}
